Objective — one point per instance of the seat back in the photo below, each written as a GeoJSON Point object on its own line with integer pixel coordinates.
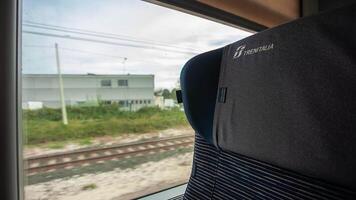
{"type": "Point", "coordinates": [199, 83]}
{"type": "Point", "coordinates": [274, 113]}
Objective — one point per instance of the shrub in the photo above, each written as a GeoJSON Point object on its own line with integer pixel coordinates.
{"type": "Point", "coordinates": [45, 125]}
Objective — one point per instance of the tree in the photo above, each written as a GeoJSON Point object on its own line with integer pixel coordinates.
{"type": "Point", "coordinates": [173, 94]}
{"type": "Point", "coordinates": [166, 94]}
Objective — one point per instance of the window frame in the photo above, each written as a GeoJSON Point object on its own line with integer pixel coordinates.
{"type": "Point", "coordinates": [11, 169]}
{"type": "Point", "coordinates": [11, 141]}
{"type": "Point", "coordinates": [214, 14]}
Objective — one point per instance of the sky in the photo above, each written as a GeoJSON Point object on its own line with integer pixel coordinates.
{"type": "Point", "coordinates": [121, 37]}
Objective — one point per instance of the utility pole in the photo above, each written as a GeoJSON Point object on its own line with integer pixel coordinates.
{"type": "Point", "coordinates": [63, 103]}
{"type": "Point", "coordinates": [124, 66]}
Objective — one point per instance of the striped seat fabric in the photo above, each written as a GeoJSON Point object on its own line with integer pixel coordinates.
{"type": "Point", "coordinates": [224, 175]}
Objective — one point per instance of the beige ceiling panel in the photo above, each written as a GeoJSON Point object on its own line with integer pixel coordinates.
{"type": "Point", "coordinates": [265, 12]}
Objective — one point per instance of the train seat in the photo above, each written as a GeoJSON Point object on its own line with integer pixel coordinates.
{"type": "Point", "coordinates": [275, 113]}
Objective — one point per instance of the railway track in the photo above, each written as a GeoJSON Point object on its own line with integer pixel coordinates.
{"type": "Point", "coordinates": [84, 157]}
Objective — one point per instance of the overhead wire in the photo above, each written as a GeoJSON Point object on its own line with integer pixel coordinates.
{"type": "Point", "coordinates": [104, 35]}
{"type": "Point", "coordinates": [107, 42]}
{"type": "Point", "coordinates": [124, 58]}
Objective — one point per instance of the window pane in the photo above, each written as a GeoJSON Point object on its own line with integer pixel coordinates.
{"type": "Point", "coordinates": [122, 83]}
{"type": "Point", "coordinates": [105, 83]}
{"type": "Point", "coordinates": [104, 86]}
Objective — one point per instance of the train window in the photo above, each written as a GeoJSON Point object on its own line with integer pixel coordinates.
{"type": "Point", "coordinates": [86, 137]}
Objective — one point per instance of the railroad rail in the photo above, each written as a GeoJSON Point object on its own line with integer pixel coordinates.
{"type": "Point", "coordinates": [87, 156]}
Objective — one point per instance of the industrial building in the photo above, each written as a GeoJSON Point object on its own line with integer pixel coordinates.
{"type": "Point", "coordinates": [131, 91]}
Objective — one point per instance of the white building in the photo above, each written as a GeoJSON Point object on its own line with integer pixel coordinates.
{"type": "Point", "coordinates": [169, 103]}
{"type": "Point", "coordinates": [130, 91]}
{"type": "Point", "coordinates": [159, 101]}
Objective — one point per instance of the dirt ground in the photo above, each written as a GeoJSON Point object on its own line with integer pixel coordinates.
{"type": "Point", "coordinates": [114, 184]}
{"type": "Point", "coordinates": [118, 183]}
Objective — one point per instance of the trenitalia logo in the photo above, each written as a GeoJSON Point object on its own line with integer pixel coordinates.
{"type": "Point", "coordinates": [240, 50]}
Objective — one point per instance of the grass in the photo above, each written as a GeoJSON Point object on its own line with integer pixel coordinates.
{"type": "Point", "coordinates": [56, 145]}
{"type": "Point", "coordinates": [44, 125]}
{"type": "Point", "coordinates": [91, 186]}
{"type": "Point", "coordinates": [85, 141]}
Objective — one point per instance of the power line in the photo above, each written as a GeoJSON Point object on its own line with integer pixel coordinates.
{"type": "Point", "coordinates": [77, 50]}
{"type": "Point", "coordinates": [96, 33]}
{"type": "Point", "coordinates": [94, 53]}
{"type": "Point", "coordinates": [111, 37]}
{"type": "Point", "coordinates": [101, 34]}
{"type": "Point", "coordinates": [107, 42]}
{"type": "Point", "coordinates": [87, 52]}
{"type": "Point", "coordinates": [62, 27]}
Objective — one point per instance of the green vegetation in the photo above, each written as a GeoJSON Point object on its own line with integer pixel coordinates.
{"type": "Point", "coordinates": [45, 125]}
{"type": "Point", "coordinates": [85, 141]}
{"type": "Point", "coordinates": [89, 186]}
{"type": "Point", "coordinates": [167, 94]}
{"type": "Point", "coordinates": [56, 145]}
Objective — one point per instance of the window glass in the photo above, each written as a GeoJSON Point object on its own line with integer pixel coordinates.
{"type": "Point", "coordinates": [105, 83]}
{"type": "Point", "coordinates": [100, 116]}
{"type": "Point", "coordinates": [122, 83]}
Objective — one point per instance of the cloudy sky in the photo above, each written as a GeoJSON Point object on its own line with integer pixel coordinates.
{"type": "Point", "coordinates": [115, 37]}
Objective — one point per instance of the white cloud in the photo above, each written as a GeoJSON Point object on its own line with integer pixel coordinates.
{"type": "Point", "coordinates": [132, 18]}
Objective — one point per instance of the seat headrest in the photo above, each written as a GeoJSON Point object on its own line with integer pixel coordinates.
{"type": "Point", "coordinates": [199, 83]}
{"type": "Point", "coordinates": [286, 96]}
{"type": "Point", "coordinates": [289, 97]}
